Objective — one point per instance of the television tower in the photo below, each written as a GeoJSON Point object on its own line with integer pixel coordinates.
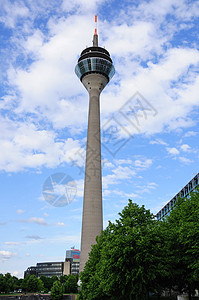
{"type": "Point", "coordinates": [94, 69]}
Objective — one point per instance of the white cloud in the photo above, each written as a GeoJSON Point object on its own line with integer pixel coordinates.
{"type": "Point", "coordinates": [81, 5]}
{"type": "Point", "coordinates": [5, 255]}
{"type": "Point", "coordinates": [60, 224]}
{"type": "Point", "coordinates": [146, 188]}
{"type": "Point", "coordinates": [132, 195]}
{"type": "Point", "coordinates": [12, 243]}
{"type": "Point", "coordinates": [13, 12]}
{"type": "Point", "coordinates": [20, 211]}
{"type": "Point", "coordinates": [190, 133]}
{"type": "Point", "coordinates": [26, 146]}
{"type": "Point", "coordinates": [36, 220]}
{"type": "Point", "coordinates": [34, 43]}
{"type": "Point", "coordinates": [80, 187]}
{"type": "Point", "coordinates": [107, 164]}
{"type": "Point", "coordinates": [34, 237]}
{"type": "Point", "coordinates": [156, 84]}
{"type": "Point", "coordinates": [158, 142]}
{"type": "Point", "coordinates": [173, 151]}
{"type": "Point", "coordinates": [123, 172]}
{"type": "Point", "coordinates": [185, 160]}
{"type": "Point", "coordinates": [185, 148]}
{"type": "Point", "coordinates": [118, 174]}
{"type": "Point", "coordinates": [139, 39]}
{"type": "Point", "coordinates": [123, 162]}
{"type": "Point", "coordinates": [143, 164]}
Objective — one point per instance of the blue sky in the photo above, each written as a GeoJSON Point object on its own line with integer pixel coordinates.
{"type": "Point", "coordinates": [152, 103]}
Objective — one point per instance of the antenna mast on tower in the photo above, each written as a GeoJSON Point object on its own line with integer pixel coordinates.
{"type": "Point", "coordinates": [95, 37]}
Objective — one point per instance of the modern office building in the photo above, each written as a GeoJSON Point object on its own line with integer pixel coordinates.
{"type": "Point", "coordinates": [73, 253]}
{"type": "Point", "coordinates": [49, 269]}
{"type": "Point", "coordinates": [30, 271]}
{"type": "Point", "coordinates": [73, 258]}
{"type": "Point", "coordinates": [184, 192]}
{"type": "Point", "coordinates": [94, 69]}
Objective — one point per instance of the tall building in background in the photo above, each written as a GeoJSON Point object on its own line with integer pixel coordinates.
{"type": "Point", "coordinates": [184, 192]}
{"type": "Point", "coordinates": [47, 269]}
{"type": "Point", "coordinates": [50, 269]}
{"type": "Point", "coordinates": [94, 69]}
{"type": "Point", "coordinates": [73, 260]}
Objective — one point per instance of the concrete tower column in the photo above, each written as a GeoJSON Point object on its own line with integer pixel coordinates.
{"type": "Point", "coordinates": [92, 221]}
{"type": "Point", "coordinates": [95, 69]}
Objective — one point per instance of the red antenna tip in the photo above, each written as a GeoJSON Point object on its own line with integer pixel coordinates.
{"type": "Point", "coordinates": [95, 25]}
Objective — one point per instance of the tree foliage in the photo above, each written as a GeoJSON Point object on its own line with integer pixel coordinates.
{"type": "Point", "coordinates": [57, 290]}
{"type": "Point", "coordinates": [137, 254]}
{"type": "Point", "coordinates": [183, 243]}
{"type": "Point", "coordinates": [127, 259]}
{"type": "Point", "coordinates": [70, 284]}
{"type": "Point", "coordinates": [9, 283]}
{"type": "Point", "coordinates": [32, 284]}
{"type": "Point", "coordinates": [47, 283]}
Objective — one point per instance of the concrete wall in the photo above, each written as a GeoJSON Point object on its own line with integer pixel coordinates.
{"type": "Point", "coordinates": [66, 270]}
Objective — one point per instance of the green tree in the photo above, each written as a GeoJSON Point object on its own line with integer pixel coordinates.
{"type": "Point", "coordinates": [32, 284]}
{"type": "Point", "coordinates": [54, 278]}
{"type": "Point", "coordinates": [127, 259]}
{"type": "Point", "coordinates": [24, 283]}
{"type": "Point", "coordinates": [90, 279]}
{"type": "Point", "coordinates": [70, 284]}
{"type": "Point", "coordinates": [183, 242]}
{"type": "Point", "coordinates": [9, 283]}
{"type": "Point", "coordinates": [57, 290]}
{"type": "Point", "coordinates": [40, 285]}
{"type": "Point", "coordinates": [47, 282]}
{"type": "Point", "coordinates": [16, 283]}
{"type": "Point", "coordinates": [2, 284]}
{"type": "Point", "coordinates": [63, 278]}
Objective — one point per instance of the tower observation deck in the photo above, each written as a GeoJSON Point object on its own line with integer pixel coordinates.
{"type": "Point", "coordinates": [94, 69]}
{"type": "Point", "coordinates": [95, 60]}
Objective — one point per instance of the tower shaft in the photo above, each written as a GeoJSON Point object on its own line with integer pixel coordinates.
{"type": "Point", "coordinates": [92, 222]}
{"type": "Point", "coordinates": [94, 69]}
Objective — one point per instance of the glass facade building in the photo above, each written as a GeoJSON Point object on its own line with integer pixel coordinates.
{"type": "Point", "coordinates": [184, 192]}
{"type": "Point", "coordinates": [49, 269]}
